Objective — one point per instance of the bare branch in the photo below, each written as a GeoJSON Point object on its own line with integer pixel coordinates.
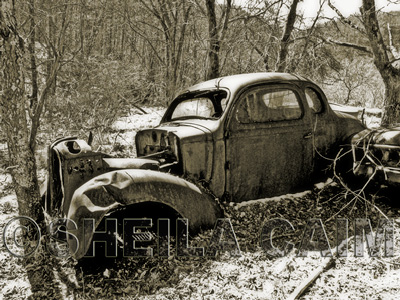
{"type": "Point", "coordinates": [134, 29]}
{"type": "Point", "coordinates": [260, 12]}
{"type": "Point", "coordinates": [309, 34]}
{"type": "Point", "coordinates": [344, 19]}
{"type": "Point", "coordinates": [225, 19]}
{"type": "Point", "coordinates": [394, 60]}
{"type": "Point", "coordinates": [395, 53]}
{"type": "Point", "coordinates": [346, 44]}
{"type": "Point", "coordinates": [263, 54]}
{"type": "Point", "coordinates": [200, 7]}
{"type": "Point", "coordinates": [39, 108]}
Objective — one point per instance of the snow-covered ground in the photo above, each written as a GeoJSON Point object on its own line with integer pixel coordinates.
{"type": "Point", "coordinates": [127, 127]}
{"type": "Point", "coordinates": [253, 275]}
{"type": "Point", "coordinates": [14, 282]}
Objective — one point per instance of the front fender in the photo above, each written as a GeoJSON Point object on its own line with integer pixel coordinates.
{"type": "Point", "coordinates": [103, 193]}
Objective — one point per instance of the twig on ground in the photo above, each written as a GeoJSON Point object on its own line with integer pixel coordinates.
{"type": "Point", "coordinates": [356, 195]}
{"type": "Point", "coordinates": [10, 168]}
{"type": "Point", "coordinates": [348, 203]}
{"type": "Point", "coordinates": [326, 265]}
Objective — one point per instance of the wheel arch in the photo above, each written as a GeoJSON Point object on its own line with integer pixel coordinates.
{"type": "Point", "coordinates": [110, 191]}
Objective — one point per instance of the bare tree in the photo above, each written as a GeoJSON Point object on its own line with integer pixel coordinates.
{"type": "Point", "coordinates": [352, 81]}
{"type": "Point", "coordinates": [216, 33]}
{"type": "Point", "coordinates": [19, 126]}
{"type": "Point", "coordinates": [173, 18]}
{"type": "Point", "coordinates": [390, 74]}
{"type": "Point", "coordinates": [14, 119]}
{"type": "Point", "coordinates": [308, 39]}
{"type": "Point", "coordinates": [265, 41]}
{"type": "Point", "coordinates": [281, 45]}
{"type": "Point", "coordinates": [381, 53]}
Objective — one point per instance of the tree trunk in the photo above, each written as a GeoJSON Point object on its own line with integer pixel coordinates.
{"type": "Point", "coordinates": [14, 123]}
{"type": "Point", "coordinates": [14, 119]}
{"type": "Point", "coordinates": [281, 64]}
{"type": "Point", "coordinates": [214, 45]}
{"type": "Point", "coordinates": [31, 48]}
{"type": "Point", "coordinates": [390, 74]}
{"type": "Point", "coordinates": [216, 35]}
{"type": "Point", "coordinates": [391, 112]}
{"type": "Point", "coordinates": [52, 20]}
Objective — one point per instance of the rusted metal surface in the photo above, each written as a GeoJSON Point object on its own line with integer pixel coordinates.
{"type": "Point", "coordinates": [130, 163]}
{"type": "Point", "coordinates": [257, 158]}
{"type": "Point", "coordinates": [72, 163]}
{"type": "Point", "coordinates": [112, 190]}
{"type": "Point", "coordinates": [376, 153]}
{"type": "Point", "coordinates": [241, 137]}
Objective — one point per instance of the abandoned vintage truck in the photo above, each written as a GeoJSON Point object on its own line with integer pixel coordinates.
{"type": "Point", "coordinates": [238, 137]}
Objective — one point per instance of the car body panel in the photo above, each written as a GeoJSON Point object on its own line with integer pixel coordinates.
{"type": "Point", "coordinates": [123, 188]}
{"type": "Point", "coordinates": [190, 162]}
{"type": "Point", "coordinates": [284, 144]}
{"type": "Point", "coordinates": [267, 158]}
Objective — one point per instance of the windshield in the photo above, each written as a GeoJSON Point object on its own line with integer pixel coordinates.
{"type": "Point", "coordinates": [199, 105]}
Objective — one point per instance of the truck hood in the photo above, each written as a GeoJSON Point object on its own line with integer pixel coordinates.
{"type": "Point", "coordinates": [171, 135]}
{"type": "Point", "coordinates": [381, 136]}
{"type": "Point", "coordinates": [189, 128]}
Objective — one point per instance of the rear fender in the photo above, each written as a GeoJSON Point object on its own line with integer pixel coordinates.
{"type": "Point", "coordinates": [109, 191]}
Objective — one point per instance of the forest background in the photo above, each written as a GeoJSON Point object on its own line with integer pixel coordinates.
{"type": "Point", "coordinates": [73, 67]}
{"type": "Point", "coordinates": [111, 55]}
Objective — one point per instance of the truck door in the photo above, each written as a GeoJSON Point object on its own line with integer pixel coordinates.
{"type": "Point", "coordinates": [269, 148]}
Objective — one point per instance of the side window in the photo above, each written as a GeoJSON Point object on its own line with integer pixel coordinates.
{"type": "Point", "coordinates": [313, 100]}
{"type": "Point", "coordinates": [262, 105]}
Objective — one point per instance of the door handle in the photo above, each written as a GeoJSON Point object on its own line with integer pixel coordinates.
{"type": "Point", "coordinates": [308, 135]}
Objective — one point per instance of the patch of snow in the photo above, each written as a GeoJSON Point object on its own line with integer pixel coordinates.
{"type": "Point", "coordinates": [18, 288]}
{"type": "Point", "coordinates": [11, 201]}
{"type": "Point", "coordinates": [276, 198]}
{"type": "Point", "coordinates": [321, 185]}
{"type": "Point", "coordinates": [127, 127]}
{"type": "Point", "coordinates": [5, 179]}
{"type": "Point", "coordinates": [280, 265]}
{"type": "Point", "coordinates": [139, 120]}
{"type": "Point", "coordinates": [371, 277]}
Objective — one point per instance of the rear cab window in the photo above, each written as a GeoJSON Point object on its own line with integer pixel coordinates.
{"type": "Point", "coordinates": [314, 100]}
{"type": "Point", "coordinates": [263, 104]}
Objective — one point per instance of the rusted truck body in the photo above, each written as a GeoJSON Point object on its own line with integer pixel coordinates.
{"type": "Point", "coordinates": [376, 155]}
{"type": "Point", "coordinates": [234, 138]}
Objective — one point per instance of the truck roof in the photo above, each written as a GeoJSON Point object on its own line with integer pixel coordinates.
{"type": "Point", "coordinates": [235, 82]}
